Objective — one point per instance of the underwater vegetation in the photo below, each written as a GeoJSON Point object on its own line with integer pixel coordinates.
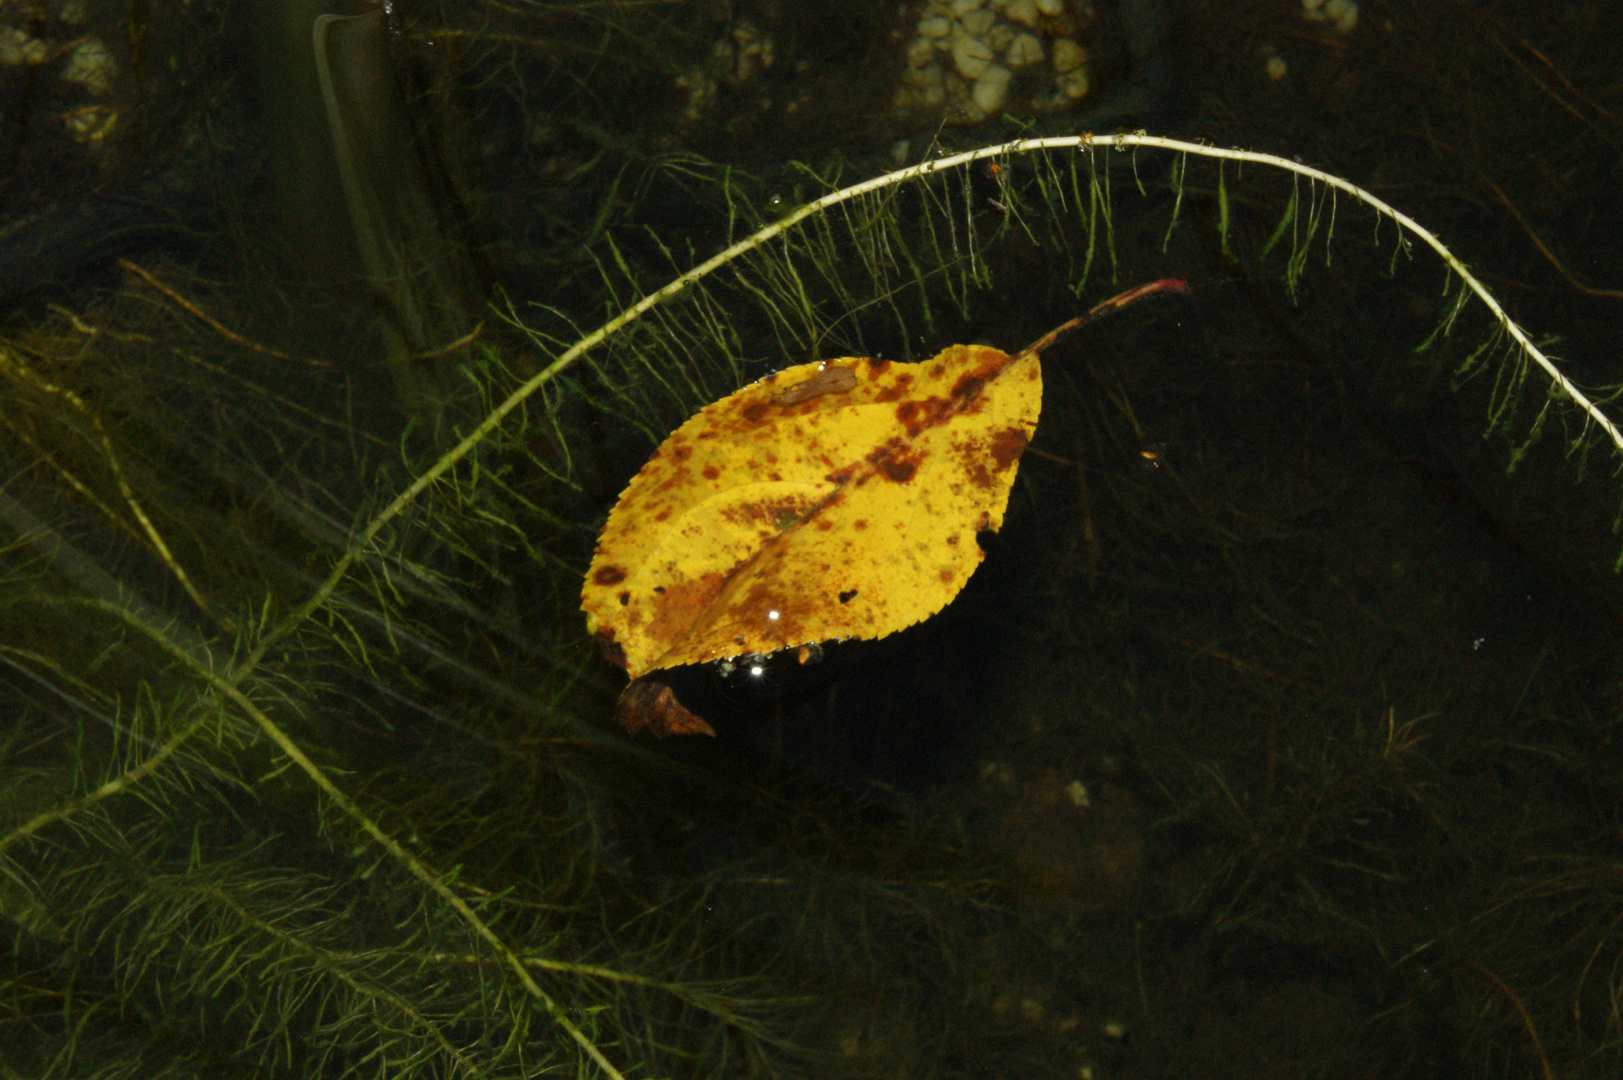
{"type": "Point", "coordinates": [1274, 734]}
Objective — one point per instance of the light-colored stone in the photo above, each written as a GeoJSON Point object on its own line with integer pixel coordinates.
{"type": "Point", "coordinates": [1023, 12]}
{"type": "Point", "coordinates": [992, 88]}
{"type": "Point", "coordinates": [1074, 84]}
{"type": "Point", "coordinates": [91, 124]}
{"type": "Point", "coordinates": [17, 47]}
{"type": "Point", "coordinates": [920, 52]}
{"type": "Point", "coordinates": [91, 66]}
{"type": "Point", "coordinates": [999, 37]}
{"type": "Point", "coordinates": [1051, 7]}
{"type": "Point", "coordinates": [961, 8]}
{"type": "Point", "coordinates": [1343, 13]}
{"type": "Point", "coordinates": [928, 75]}
{"type": "Point", "coordinates": [970, 55]}
{"type": "Point", "coordinates": [1024, 50]}
{"type": "Point", "coordinates": [935, 26]}
{"type": "Point", "coordinates": [977, 23]}
{"type": "Point", "coordinates": [1068, 55]}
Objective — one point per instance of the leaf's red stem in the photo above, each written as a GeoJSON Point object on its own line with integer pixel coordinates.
{"type": "Point", "coordinates": [1106, 307]}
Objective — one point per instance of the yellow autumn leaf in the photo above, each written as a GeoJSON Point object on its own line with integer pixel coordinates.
{"type": "Point", "coordinates": [833, 500]}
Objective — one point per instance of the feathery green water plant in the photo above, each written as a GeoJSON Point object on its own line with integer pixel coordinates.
{"type": "Point", "coordinates": [353, 811]}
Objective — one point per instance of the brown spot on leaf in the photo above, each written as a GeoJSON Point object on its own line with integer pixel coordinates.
{"type": "Point", "coordinates": [847, 596]}
{"type": "Point", "coordinates": [899, 472]}
{"type": "Point", "coordinates": [609, 575]}
{"type": "Point", "coordinates": [1008, 445]}
{"type": "Point", "coordinates": [968, 385]}
{"type": "Point", "coordinates": [897, 390]}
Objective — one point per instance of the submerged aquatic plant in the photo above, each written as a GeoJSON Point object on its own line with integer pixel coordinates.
{"type": "Point", "coordinates": [308, 772]}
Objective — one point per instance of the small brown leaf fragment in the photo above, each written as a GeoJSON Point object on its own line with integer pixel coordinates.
{"type": "Point", "coordinates": [650, 705]}
{"type": "Point", "coordinates": [831, 380]}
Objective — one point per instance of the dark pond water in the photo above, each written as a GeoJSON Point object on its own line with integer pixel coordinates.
{"type": "Point", "coordinates": [1274, 735]}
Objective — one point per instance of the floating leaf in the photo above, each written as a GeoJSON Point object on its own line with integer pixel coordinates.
{"type": "Point", "coordinates": [835, 500]}
{"type": "Point", "coordinates": [831, 500]}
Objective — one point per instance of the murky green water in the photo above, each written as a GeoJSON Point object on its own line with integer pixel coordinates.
{"type": "Point", "coordinates": [1273, 737]}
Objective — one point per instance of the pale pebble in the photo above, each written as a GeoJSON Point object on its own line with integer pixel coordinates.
{"type": "Point", "coordinates": [969, 55]}
{"type": "Point", "coordinates": [1068, 55]}
{"type": "Point", "coordinates": [91, 124]}
{"type": "Point", "coordinates": [935, 26]}
{"type": "Point", "coordinates": [992, 88]}
{"type": "Point", "coordinates": [961, 8]}
{"type": "Point", "coordinates": [1023, 12]}
{"type": "Point", "coordinates": [1074, 84]}
{"type": "Point", "coordinates": [926, 75]}
{"type": "Point", "coordinates": [999, 37]}
{"type": "Point", "coordinates": [91, 66]}
{"type": "Point", "coordinates": [1024, 50]}
{"type": "Point", "coordinates": [17, 47]}
{"type": "Point", "coordinates": [977, 23]}
{"type": "Point", "coordinates": [1051, 7]}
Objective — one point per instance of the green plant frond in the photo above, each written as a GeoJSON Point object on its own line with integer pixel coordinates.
{"type": "Point", "coordinates": [1287, 219]}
